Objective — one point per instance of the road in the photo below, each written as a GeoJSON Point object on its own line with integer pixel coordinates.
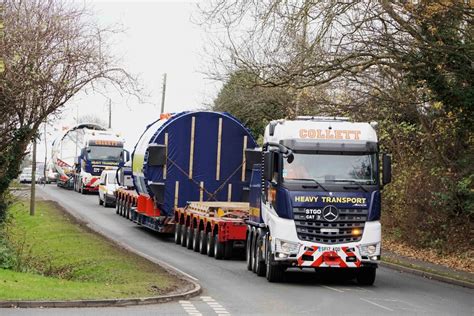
{"type": "Point", "coordinates": [228, 288]}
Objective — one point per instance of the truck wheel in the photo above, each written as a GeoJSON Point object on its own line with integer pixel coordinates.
{"type": "Point", "coordinates": [189, 239]}
{"type": "Point", "coordinates": [274, 272]}
{"type": "Point", "coordinates": [366, 276]}
{"type": "Point", "coordinates": [203, 242]}
{"type": "Point", "coordinates": [100, 201]}
{"type": "Point", "coordinates": [248, 250]}
{"type": "Point", "coordinates": [210, 244]}
{"type": "Point", "coordinates": [229, 250]}
{"type": "Point", "coordinates": [125, 209]}
{"type": "Point", "coordinates": [118, 204]}
{"type": "Point", "coordinates": [219, 248]}
{"type": "Point", "coordinates": [177, 233]}
{"type": "Point", "coordinates": [128, 210]}
{"type": "Point", "coordinates": [184, 236]}
{"type": "Point", "coordinates": [196, 240]}
{"type": "Point", "coordinates": [259, 264]}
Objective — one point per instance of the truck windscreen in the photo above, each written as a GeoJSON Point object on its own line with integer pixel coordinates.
{"type": "Point", "coordinates": [104, 153]}
{"type": "Point", "coordinates": [332, 168]}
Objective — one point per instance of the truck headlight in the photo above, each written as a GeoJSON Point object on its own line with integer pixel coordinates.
{"type": "Point", "coordinates": [287, 247]}
{"type": "Point", "coordinates": [369, 249]}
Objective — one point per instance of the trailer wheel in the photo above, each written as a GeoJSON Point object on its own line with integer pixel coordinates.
{"type": "Point", "coordinates": [229, 250]}
{"type": "Point", "coordinates": [366, 276]}
{"type": "Point", "coordinates": [248, 250]}
{"type": "Point", "coordinates": [196, 239]}
{"type": "Point", "coordinates": [128, 210]}
{"type": "Point", "coordinates": [125, 208]}
{"type": "Point", "coordinates": [189, 239]}
{"type": "Point", "coordinates": [177, 233]}
{"type": "Point", "coordinates": [274, 272]}
{"type": "Point", "coordinates": [219, 248]}
{"type": "Point", "coordinates": [202, 242]}
{"type": "Point", "coordinates": [117, 206]}
{"type": "Point", "coordinates": [184, 235]}
{"type": "Point", "coordinates": [210, 244]}
{"type": "Point", "coordinates": [258, 264]}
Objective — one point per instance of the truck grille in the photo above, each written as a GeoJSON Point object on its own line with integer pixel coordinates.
{"type": "Point", "coordinates": [348, 219]}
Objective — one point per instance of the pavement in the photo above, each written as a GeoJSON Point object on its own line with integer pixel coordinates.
{"type": "Point", "coordinates": [228, 288]}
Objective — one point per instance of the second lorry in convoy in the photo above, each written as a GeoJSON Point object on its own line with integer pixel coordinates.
{"type": "Point", "coordinates": [309, 198]}
{"type": "Point", "coordinates": [82, 152]}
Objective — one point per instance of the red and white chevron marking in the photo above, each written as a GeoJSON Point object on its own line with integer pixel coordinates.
{"type": "Point", "coordinates": [335, 258]}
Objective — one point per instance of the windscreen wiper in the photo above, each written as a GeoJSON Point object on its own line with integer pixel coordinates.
{"type": "Point", "coordinates": [350, 181]}
{"type": "Point", "coordinates": [312, 180]}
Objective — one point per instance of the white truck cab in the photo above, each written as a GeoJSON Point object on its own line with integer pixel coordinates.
{"type": "Point", "coordinates": [320, 202]}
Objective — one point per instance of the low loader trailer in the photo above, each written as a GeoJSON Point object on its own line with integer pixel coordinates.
{"type": "Point", "coordinates": [188, 156]}
{"type": "Point", "coordinates": [212, 228]}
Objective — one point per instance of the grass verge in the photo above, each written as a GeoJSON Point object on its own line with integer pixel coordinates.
{"type": "Point", "coordinates": [57, 258]}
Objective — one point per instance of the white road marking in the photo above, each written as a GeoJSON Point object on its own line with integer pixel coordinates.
{"type": "Point", "coordinates": [218, 308]}
{"type": "Point", "coordinates": [378, 305]}
{"type": "Point", "coordinates": [190, 308]}
{"type": "Point", "coordinates": [331, 288]}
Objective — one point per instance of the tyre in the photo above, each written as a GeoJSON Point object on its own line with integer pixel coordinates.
{"type": "Point", "coordinates": [100, 201]}
{"type": "Point", "coordinates": [252, 250]}
{"type": "Point", "coordinates": [248, 249]}
{"type": "Point", "coordinates": [229, 250]}
{"type": "Point", "coordinates": [184, 235]}
{"type": "Point", "coordinates": [189, 238]}
{"type": "Point", "coordinates": [177, 233]}
{"type": "Point", "coordinates": [196, 235]}
{"type": "Point", "coordinates": [128, 210]}
{"type": "Point", "coordinates": [202, 242]}
{"type": "Point", "coordinates": [258, 265]}
{"type": "Point", "coordinates": [117, 206]}
{"type": "Point", "coordinates": [210, 244]}
{"type": "Point", "coordinates": [219, 248]}
{"type": "Point", "coordinates": [273, 271]}
{"type": "Point", "coordinates": [366, 276]}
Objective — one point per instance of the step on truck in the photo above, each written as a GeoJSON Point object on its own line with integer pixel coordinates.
{"type": "Point", "coordinates": [315, 202]}
{"type": "Point", "coordinates": [186, 157]}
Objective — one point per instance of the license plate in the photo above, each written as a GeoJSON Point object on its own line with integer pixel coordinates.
{"type": "Point", "coordinates": [330, 230]}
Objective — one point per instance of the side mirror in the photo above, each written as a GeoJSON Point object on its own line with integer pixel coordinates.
{"type": "Point", "coordinates": [268, 165]}
{"type": "Point", "coordinates": [125, 156]}
{"type": "Point", "coordinates": [387, 169]}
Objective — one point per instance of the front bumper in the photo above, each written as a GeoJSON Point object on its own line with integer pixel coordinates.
{"type": "Point", "coordinates": [318, 255]}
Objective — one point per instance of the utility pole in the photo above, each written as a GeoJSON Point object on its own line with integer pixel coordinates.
{"type": "Point", "coordinates": [110, 113]}
{"type": "Point", "coordinates": [33, 180]}
{"type": "Point", "coordinates": [163, 94]}
{"type": "Point", "coordinates": [45, 153]}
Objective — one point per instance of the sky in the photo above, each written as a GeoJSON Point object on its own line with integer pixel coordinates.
{"type": "Point", "coordinates": [159, 38]}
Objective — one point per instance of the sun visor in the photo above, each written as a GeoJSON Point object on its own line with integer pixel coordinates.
{"type": "Point", "coordinates": [353, 146]}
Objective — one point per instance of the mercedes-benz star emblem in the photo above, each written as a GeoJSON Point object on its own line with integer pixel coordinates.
{"type": "Point", "coordinates": [330, 213]}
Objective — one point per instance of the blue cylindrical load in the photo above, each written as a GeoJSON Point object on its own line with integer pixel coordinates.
{"type": "Point", "coordinates": [193, 156]}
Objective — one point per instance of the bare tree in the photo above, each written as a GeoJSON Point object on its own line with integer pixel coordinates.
{"type": "Point", "coordinates": [52, 50]}
{"type": "Point", "coordinates": [359, 45]}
